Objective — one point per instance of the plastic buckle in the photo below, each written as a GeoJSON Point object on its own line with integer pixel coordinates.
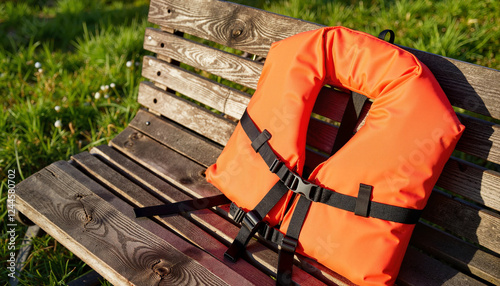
{"type": "Point", "coordinates": [289, 244]}
{"type": "Point", "coordinates": [236, 213]}
{"type": "Point", "coordinates": [251, 220]}
{"type": "Point", "coordinates": [302, 187]}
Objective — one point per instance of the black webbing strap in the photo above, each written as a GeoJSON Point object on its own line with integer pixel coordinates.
{"type": "Point", "coordinates": [319, 194]}
{"type": "Point", "coordinates": [384, 33]}
{"type": "Point", "coordinates": [290, 241]}
{"type": "Point", "coordinates": [349, 120]}
{"type": "Point", "coordinates": [183, 206]}
{"type": "Point", "coordinates": [252, 220]}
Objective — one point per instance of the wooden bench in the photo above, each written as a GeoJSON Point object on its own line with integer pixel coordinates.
{"type": "Point", "coordinates": [87, 203]}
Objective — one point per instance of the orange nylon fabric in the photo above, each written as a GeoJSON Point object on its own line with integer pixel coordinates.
{"type": "Point", "coordinates": [401, 150]}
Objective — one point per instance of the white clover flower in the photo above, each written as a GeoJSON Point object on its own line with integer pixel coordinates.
{"type": "Point", "coordinates": [103, 88]}
{"type": "Point", "coordinates": [40, 70]}
{"type": "Point", "coordinates": [106, 96]}
{"type": "Point", "coordinates": [97, 95]}
{"type": "Point", "coordinates": [57, 108]}
{"type": "Point", "coordinates": [38, 65]}
{"type": "Point", "coordinates": [112, 85]}
{"type": "Point", "coordinates": [106, 87]}
{"type": "Point", "coordinates": [129, 64]}
{"type": "Point", "coordinates": [58, 123]}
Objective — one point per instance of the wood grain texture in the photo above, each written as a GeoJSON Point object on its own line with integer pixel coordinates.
{"type": "Point", "coordinates": [474, 223]}
{"type": "Point", "coordinates": [480, 138]}
{"type": "Point", "coordinates": [471, 181]}
{"type": "Point", "coordinates": [107, 240]}
{"type": "Point", "coordinates": [167, 133]}
{"type": "Point", "coordinates": [457, 259]}
{"type": "Point", "coordinates": [181, 171]}
{"type": "Point", "coordinates": [464, 256]}
{"type": "Point", "coordinates": [226, 65]}
{"type": "Point", "coordinates": [225, 99]}
{"type": "Point", "coordinates": [244, 273]}
{"type": "Point", "coordinates": [468, 86]}
{"type": "Point", "coordinates": [186, 113]}
{"type": "Point", "coordinates": [430, 272]}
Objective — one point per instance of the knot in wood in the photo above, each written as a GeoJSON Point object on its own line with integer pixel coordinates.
{"type": "Point", "coordinates": [161, 268]}
{"type": "Point", "coordinates": [236, 33]}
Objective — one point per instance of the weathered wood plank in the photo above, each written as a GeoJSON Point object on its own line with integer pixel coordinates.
{"type": "Point", "coordinates": [463, 219]}
{"type": "Point", "coordinates": [243, 273]}
{"type": "Point", "coordinates": [428, 271]}
{"type": "Point", "coordinates": [186, 173]}
{"type": "Point", "coordinates": [471, 181]}
{"type": "Point", "coordinates": [226, 65]}
{"type": "Point", "coordinates": [151, 125]}
{"type": "Point", "coordinates": [480, 138]}
{"type": "Point", "coordinates": [217, 226]}
{"type": "Point", "coordinates": [463, 256]}
{"type": "Point", "coordinates": [186, 113]}
{"type": "Point", "coordinates": [468, 86]}
{"type": "Point", "coordinates": [225, 99]}
{"type": "Point", "coordinates": [107, 240]}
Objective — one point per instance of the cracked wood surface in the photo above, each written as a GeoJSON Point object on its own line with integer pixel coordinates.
{"type": "Point", "coordinates": [122, 251]}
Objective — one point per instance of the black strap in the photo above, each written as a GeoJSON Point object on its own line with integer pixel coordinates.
{"type": "Point", "coordinates": [290, 242]}
{"type": "Point", "coordinates": [384, 33]}
{"type": "Point", "coordinates": [349, 120]}
{"type": "Point", "coordinates": [183, 206]}
{"type": "Point", "coordinates": [252, 220]}
{"type": "Point", "coordinates": [319, 194]}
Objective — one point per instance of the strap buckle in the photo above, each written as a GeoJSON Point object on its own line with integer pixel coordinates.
{"type": "Point", "coordinates": [289, 244]}
{"type": "Point", "coordinates": [302, 187]}
{"type": "Point", "coordinates": [236, 213]}
{"type": "Point", "coordinates": [251, 220]}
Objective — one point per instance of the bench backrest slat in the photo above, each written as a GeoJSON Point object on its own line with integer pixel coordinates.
{"type": "Point", "coordinates": [468, 86]}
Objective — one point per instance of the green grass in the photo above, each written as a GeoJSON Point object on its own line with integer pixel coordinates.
{"type": "Point", "coordinates": [83, 45]}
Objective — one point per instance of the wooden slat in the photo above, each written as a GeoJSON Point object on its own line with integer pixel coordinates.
{"type": "Point", "coordinates": [476, 224]}
{"type": "Point", "coordinates": [243, 273]}
{"type": "Point", "coordinates": [480, 138]}
{"type": "Point", "coordinates": [106, 239]}
{"type": "Point", "coordinates": [147, 158]}
{"type": "Point", "coordinates": [226, 65]}
{"type": "Point", "coordinates": [471, 181]}
{"type": "Point", "coordinates": [428, 271]}
{"type": "Point", "coordinates": [230, 24]}
{"type": "Point", "coordinates": [207, 151]}
{"type": "Point", "coordinates": [456, 252]}
{"type": "Point", "coordinates": [183, 172]}
{"type": "Point", "coordinates": [321, 135]}
{"type": "Point", "coordinates": [468, 86]}
{"type": "Point", "coordinates": [225, 99]}
{"type": "Point", "coordinates": [186, 113]}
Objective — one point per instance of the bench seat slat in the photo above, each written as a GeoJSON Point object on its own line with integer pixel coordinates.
{"type": "Point", "coordinates": [186, 173]}
{"type": "Point", "coordinates": [149, 158]}
{"type": "Point", "coordinates": [243, 273]}
{"type": "Point", "coordinates": [468, 86]}
{"type": "Point", "coordinates": [72, 210]}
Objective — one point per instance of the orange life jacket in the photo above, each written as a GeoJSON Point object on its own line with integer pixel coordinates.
{"type": "Point", "coordinates": [357, 210]}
